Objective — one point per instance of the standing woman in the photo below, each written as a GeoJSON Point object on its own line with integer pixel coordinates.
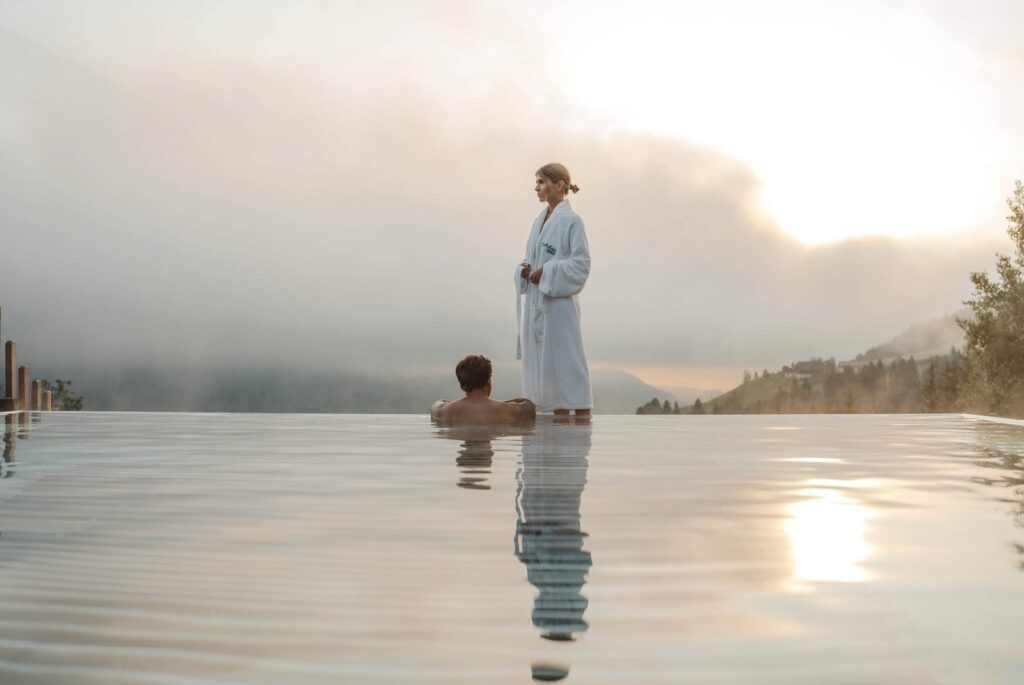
{"type": "Point", "coordinates": [555, 373]}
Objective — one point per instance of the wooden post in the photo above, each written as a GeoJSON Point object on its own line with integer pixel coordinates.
{"type": "Point", "coordinates": [48, 400]}
{"type": "Point", "coordinates": [23, 387]}
{"type": "Point", "coordinates": [9, 356]}
{"type": "Point", "coordinates": [37, 395]}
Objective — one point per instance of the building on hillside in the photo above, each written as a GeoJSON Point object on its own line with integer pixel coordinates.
{"type": "Point", "coordinates": [804, 370]}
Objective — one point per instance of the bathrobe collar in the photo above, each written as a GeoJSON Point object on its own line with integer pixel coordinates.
{"type": "Point", "coordinates": [563, 205]}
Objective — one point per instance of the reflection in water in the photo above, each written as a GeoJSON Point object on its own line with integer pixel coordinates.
{"type": "Point", "coordinates": [7, 464]}
{"type": "Point", "coordinates": [549, 538]}
{"type": "Point", "coordinates": [137, 543]}
{"type": "Point", "coordinates": [476, 454]}
{"type": "Point", "coordinates": [827, 536]}
{"type": "Point", "coordinates": [474, 462]}
{"type": "Point", "coordinates": [1000, 450]}
{"type": "Point", "coordinates": [549, 486]}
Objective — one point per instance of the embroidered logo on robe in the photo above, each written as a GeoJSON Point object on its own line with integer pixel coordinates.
{"type": "Point", "coordinates": [550, 248]}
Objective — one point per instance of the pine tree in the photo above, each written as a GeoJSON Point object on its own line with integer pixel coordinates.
{"type": "Point", "coordinates": [931, 396]}
{"type": "Point", "coordinates": [952, 381]}
{"type": "Point", "coordinates": [652, 407]}
{"type": "Point", "coordinates": [830, 392]}
{"type": "Point", "coordinates": [849, 402]}
{"type": "Point", "coordinates": [63, 398]}
{"type": "Point", "coordinates": [994, 335]}
{"type": "Point", "coordinates": [912, 386]}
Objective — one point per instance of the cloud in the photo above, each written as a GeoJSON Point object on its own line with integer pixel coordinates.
{"type": "Point", "coordinates": [207, 212]}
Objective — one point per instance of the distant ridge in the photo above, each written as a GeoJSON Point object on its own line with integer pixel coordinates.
{"type": "Point", "coordinates": [891, 382]}
{"type": "Point", "coordinates": [926, 339]}
{"type": "Point", "coordinates": [262, 389]}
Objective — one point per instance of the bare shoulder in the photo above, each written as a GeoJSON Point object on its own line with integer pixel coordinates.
{"type": "Point", "coordinates": [440, 409]}
{"type": "Point", "coordinates": [521, 408]}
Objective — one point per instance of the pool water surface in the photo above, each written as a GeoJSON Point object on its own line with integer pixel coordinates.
{"type": "Point", "coordinates": [274, 548]}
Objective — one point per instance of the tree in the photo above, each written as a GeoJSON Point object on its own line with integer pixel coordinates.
{"type": "Point", "coordinates": [994, 333]}
{"type": "Point", "coordinates": [870, 378]}
{"type": "Point", "coordinates": [63, 398]}
{"type": "Point", "coordinates": [746, 377]}
{"type": "Point", "coordinates": [646, 408]}
{"type": "Point", "coordinates": [912, 385]}
{"type": "Point", "coordinates": [698, 407]}
{"type": "Point", "coordinates": [656, 406]}
{"type": "Point", "coordinates": [780, 401]}
{"type": "Point", "coordinates": [904, 386]}
{"type": "Point", "coordinates": [805, 397]}
{"type": "Point", "coordinates": [849, 402]}
{"type": "Point", "coordinates": [930, 393]}
{"type": "Point", "coordinates": [952, 380]}
{"type": "Point", "coordinates": [830, 392]}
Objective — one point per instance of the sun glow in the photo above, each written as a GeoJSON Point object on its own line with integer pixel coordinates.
{"type": "Point", "coordinates": [827, 537]}
{"type": "Point", "coordinates": [857, 122]}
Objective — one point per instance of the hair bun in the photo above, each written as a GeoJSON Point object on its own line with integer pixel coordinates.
{"type": "Point", "coordinates": [574, 188]}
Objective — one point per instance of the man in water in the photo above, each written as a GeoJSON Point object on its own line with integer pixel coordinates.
{"type": "Point", "coordinates": [477, 408]}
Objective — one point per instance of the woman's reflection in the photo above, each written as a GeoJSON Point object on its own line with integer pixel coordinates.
{"type": "Point", "coordinates": [549, 539]}
{"type": "Point", "coordinates": [550, 478]}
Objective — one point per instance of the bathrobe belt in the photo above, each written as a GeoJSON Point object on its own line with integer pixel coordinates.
{"type": "Point", "coordinates": [517, 279]}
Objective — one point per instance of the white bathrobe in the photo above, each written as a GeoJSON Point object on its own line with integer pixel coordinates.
{"type": "Point", "coordinates": [555, 372]}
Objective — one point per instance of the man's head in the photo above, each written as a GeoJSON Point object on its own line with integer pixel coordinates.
{"type": "Point", "coordinates": [474, 373]}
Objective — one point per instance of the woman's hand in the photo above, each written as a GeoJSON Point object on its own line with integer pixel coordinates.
{"type": "Point", "coordinates": [535, 276]}
{"type": "Point", "coordinates": [525, 271]}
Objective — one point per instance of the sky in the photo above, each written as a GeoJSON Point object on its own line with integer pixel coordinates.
{"type": "Point", "coordinates": [349, 185]}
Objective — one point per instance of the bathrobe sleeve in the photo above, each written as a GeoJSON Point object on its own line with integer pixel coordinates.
{"type": "Point", "coordinates": [566, 275]}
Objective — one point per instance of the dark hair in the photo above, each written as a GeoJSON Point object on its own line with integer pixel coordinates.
{"type": "Point", "coordinates": [473, 372]}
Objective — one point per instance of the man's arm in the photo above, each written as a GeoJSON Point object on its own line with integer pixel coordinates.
{"type": "Point", "coordinates": [437, 410]}
{"type": "Point", "coordinates": [522, 408]}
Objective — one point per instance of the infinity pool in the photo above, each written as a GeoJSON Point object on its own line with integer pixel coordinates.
{"type": "Point", "coordinates": [214, 548]}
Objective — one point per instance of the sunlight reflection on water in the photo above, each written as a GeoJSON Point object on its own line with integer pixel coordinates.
{"type": "Point", "coordinates": [287, 548]}
{"type": "Point", "coordinates": [827, 534]}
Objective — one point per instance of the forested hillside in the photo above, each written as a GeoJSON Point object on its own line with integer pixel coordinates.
{"type": "Point", "coordinates": [972, 361]}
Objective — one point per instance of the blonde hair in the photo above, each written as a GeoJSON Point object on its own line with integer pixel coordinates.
{"type": "Point", "coordinates": [557, 172]}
